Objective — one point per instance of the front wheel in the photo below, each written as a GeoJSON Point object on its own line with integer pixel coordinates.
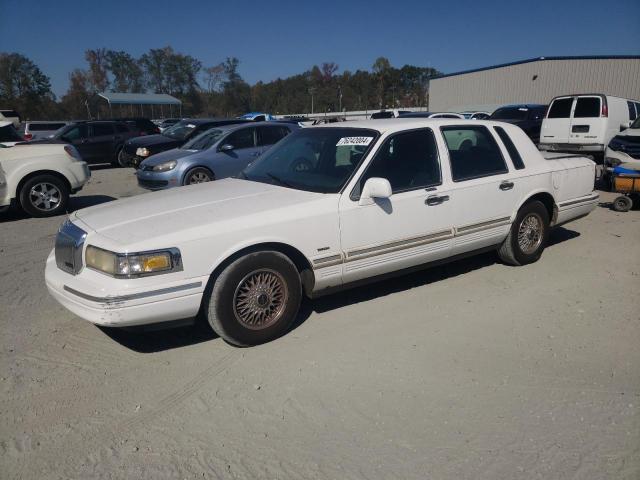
{"type": "Point", "coordinates": [528, 235]}
{"type": "Point", "coordinates": [197, 175]}
{"type": "Point", "coordinates": [44, 196]}
{"type": "Point", "coordinates": [255, 299]}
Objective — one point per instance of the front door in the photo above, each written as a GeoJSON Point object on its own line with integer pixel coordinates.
{"type": "Point", "coordinates": [244, 151]}
{"type": "Point", "coordinates": [411, 227]}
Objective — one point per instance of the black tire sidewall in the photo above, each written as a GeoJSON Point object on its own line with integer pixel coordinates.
{"type": "Point", "coordinates": [194, 170]}
{"type": "Point", "coordinates": [221, 304]}
{"type": "Point", "coordinates": [25, 201]}
{"type": "Point", "coordinates": [531, 207]}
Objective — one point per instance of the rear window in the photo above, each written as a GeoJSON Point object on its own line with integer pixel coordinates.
{"type": "Point", "coordinates": [9, 113]}
{"type": "Point", "coordinates": [587, 107]}
{"type": "Point", "coordinates": [561, 108]}
{"type": "Point", "coordinates": [510, 113]}
{"type": "Point", "coordinates": [43, 127]}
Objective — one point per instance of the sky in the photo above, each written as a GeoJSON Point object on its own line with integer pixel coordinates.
{"type": "Point", "coordinates": [279, 38]}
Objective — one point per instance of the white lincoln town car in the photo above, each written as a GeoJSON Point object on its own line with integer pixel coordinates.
{"type": "Point", "coordinates": [326, 207]}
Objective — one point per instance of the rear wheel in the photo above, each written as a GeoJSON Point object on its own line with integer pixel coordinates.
{"type": "Point", "coordinates": [622, 203]}
{"type": "Point", "coordinates": [255, 299]}
{"type": "Point", "coordinates": [44, 196]}
{"type": "Point", "coordinates": [197, 175]}
{"type": "Point", "coordinates": [528, 235]}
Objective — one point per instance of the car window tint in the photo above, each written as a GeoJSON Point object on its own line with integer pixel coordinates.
{"type": "Point", "coordinates": [632, 111]}
{"type": "Point", "coordinates": [561, 108]}
{"type": "Point", "coordinates": [241, 138]}
{"type": "Point", "coordinates": [121, 128]}
{"type": "Point", "coordinates": [101, 129]}
{"type": "Point", "coordinates": [587, 107]}
{"type": "Point", "coordinates": [75, 133]}
{"type": "Point", "coordinates": [473, 153]}
{"type": "Point", "coordinates": [408, 160]}
{"type": "Point", "coordinates": [8, 134]}
{"type": "Point", "coordinates": [271, 135]}
{"type": "Point", "coordinates": [511, 148]}
{"type": "Point", "coordinates": [44, 127]}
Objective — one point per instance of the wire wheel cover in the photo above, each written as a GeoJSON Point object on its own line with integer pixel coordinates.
{"type": "Point", "coordinates": [260, 299]}
{"type": "Point", "coordinates": [530, 233]}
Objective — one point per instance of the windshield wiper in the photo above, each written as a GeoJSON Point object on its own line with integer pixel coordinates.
{"type": "Point", "coordinates": [279, 180]}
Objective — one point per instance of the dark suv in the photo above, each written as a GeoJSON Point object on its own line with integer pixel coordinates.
{"type": "Point", "coordinates": [142, 125]}
{"type": "Point", "coordinates": [527, 116]}
{"type": "Point", "coordinates": [141, 148]}
{"type": "Point", "coordinates": [98, 141]}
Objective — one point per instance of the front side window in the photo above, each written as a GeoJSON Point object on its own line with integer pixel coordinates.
{"type": "Point", "coordinates": [243, 138]}
{"type": "Point", "coordinates": [587, 107]}
{"type": "Point", "coordinates": [561, 108]}
{"type": "Point", "coordinates": [409, 160]}
{"type": "Point", "coordinates": [473, 153]}
{"type": "Point", "coordinates": [313, 159]}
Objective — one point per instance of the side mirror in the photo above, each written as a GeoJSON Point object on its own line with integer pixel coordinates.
{"type": "Point", "coordinates": [375, 187]}
{"type": "Point", "coordinates": [227, 147]}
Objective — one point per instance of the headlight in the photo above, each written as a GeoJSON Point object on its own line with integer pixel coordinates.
{"type": "Point", "coordinates": [615, 144]}
{"type": "Point", "coordinates": [614, 162]}
{"type": "Point", "coordinates": [128, 265]}
{"type": "Point", "coordinates": [165, 167]}
{"type": "Point", "coordinates": [142, 152]}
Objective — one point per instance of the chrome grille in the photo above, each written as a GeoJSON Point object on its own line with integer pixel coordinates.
{"type": "Point", "coordinates": [69, 242]}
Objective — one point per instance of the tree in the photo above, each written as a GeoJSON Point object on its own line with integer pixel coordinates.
{"type": "Point", "coordinates": [74, 102]}
{"type": "Point", "coordinates": [24, 87]}
{"type": "Point", "coordinates": [126, 71]}
{"type": "Point", "coordinates": [97, 74]}
{"type": "Point", "coordinates": [381, 68]}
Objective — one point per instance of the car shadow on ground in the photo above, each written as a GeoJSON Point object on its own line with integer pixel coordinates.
{"type": "Point", "coordinates": [151, 340]}
{"type": "Point", "coordinates": [75, 203]}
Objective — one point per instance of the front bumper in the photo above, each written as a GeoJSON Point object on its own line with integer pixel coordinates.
{"type": "Point", "coordinates": [158, 180]}
{"type": "Point", "coordinates": [111, 302]}
{"type": "Point", "coordinates": [131, 159]}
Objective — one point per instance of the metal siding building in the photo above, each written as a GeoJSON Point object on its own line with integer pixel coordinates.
{"type": "Point", "coordinates": [537, 80]}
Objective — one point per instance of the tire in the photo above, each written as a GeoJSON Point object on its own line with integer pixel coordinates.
{"type": "Point", "coordinates": [255, 299]}
{"type": "Point", "coordinates": [197, 175]}
{"type": "Point", "coordinates": [622, 204]}
{"type": "Point", "coordinates": [119, 160]}
{"type": "Point", "coordinates": [44, 196]}
{"type": "Point", "coordinates": [528, 236]}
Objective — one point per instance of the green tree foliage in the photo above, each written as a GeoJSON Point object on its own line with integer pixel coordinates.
{"type": "Point", "coordinates": [24, 87]}
{"type": "Point", "coordinates": [126, 72]}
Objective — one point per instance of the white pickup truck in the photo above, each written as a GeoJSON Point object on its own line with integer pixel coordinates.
{"type": "Point", "coordinates": [327, 207]}
{"type": "Point", "coordinates": [40, 178]}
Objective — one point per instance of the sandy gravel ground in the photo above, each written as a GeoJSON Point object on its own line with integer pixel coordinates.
{"type": "Point", "coordinates": [473, 370]}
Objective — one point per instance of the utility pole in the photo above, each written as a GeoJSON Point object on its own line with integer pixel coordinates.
{"type": "Point", "coordinates": [340, 98]}
{"type": "Point", "coordinates": [312, 91]}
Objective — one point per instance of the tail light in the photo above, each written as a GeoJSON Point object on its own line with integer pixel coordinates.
{"type": "Point", "coordinates": [28, 136]}
{"type": "Point", "coordinates": [72, 152]}
{"type": "Point", "coordinates": [605, 109]}
{"type": "Point", "coordinates": [156, 130]}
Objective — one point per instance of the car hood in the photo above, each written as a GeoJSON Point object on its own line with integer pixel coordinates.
{"type": "Point", "coordinates": [173, 154]}
{"type": "Point", "coordinates": [190, 212]}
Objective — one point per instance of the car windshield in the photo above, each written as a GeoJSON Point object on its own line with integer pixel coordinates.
{"type": "Point", "coordinates": [636, 123]}
{"type": "Point", "coordinates": [510, 113]}
{"type": "Point", "coordinates": [180, 130]}
{"type": "Point", "coordinates": [313, 159]}
{"type": "Point", "coordinates": [204, 140]}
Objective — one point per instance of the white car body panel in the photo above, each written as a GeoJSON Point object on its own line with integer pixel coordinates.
{"type": "Point", "coordinates": [340, 240]}
{"type": "Point", "coordinates": [22, 160]}
{"type": "Point", "coordinates": [617, 157]}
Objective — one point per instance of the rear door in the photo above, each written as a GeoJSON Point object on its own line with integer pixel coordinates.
{"type": "Point", "coordinates": [587, 126]}
{"type": "Point", "coordinates": [557, 124]}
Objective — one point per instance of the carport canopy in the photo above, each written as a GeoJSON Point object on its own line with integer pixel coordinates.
{"type": "Point", "coordinates": [152, 99]}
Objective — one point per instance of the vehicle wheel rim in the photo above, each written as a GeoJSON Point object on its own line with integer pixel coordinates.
{"type": "Point", "coordinates": [45, 196]}
{"type": "Point", "coordinates": [260, 299]}
{"type": "Point", "coordinates": [198, 177]}
{"type": "Point", "coordinates": [530, 233]}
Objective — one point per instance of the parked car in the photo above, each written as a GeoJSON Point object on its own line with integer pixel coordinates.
{"type": "Point", "coordinates": [585, 123]}
{"type": "Point", "coordinates": [431, 115]}
{"type": "Point", "coordinates": [327, 207]}
{"type": "Point", "coordinates": [42, 129]}
{"type": "Point", "coordinates": [10, 116]}
{"type": "Point", "coordinates": [8, 134]}
{"type": "Point", "coordinates": [257, 116]}
{"type": "Point", "coordinates": [138, 149]}
{"type": "Point", "coordinates": [40, 178]}
{"type": "Point", "coordinates": [143, 126]}
{"type": "Point", "coordinates": [624, 148]}
{"type": "Point", "coordinates": [98, 141]}
{"type": "Point", "coordinates": [395, 113]}
{"type": "Point", "coordinates": [475, 115]}
{"type": "Point", "coordinates": [527, 116]}
{"type": "Point", "coordinates": [217, 153]}
{"type": "Point", "coordinates": [166, 123]}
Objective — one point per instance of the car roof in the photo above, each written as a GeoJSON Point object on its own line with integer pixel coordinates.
{"type": "Point", "coordinates": [403, 123]}
{"type": "Point", "coordinates": [522, 105]}
{"type": "Point", "coordinates": [238, 126]}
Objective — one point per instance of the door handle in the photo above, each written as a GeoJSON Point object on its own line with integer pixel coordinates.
{"type": "Point", "coordinates": [433, 200]}
{"type": "Point", "coordinates": [506, 185]}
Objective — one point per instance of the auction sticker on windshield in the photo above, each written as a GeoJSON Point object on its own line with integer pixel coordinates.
{"type": "Point", "coordinates": [349, 141]}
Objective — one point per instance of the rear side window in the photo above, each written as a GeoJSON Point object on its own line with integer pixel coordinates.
{"type": "Point", "coordinates": [121, 128]}
{"type": "Point", "coordinates": [561, 108]}
{"type": "Point", "coordinates": [101, 129]}
{"type": "Point", "coordinates": [271, 135]}
{"type": "Point", "coordinates": [43, 127]}
{"type": "Point", "coordinates": [473, 153]}
{"type": "Point", "coordinates": [511, 148]}
{"type": "Point", "coordinates": [587, 107]}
